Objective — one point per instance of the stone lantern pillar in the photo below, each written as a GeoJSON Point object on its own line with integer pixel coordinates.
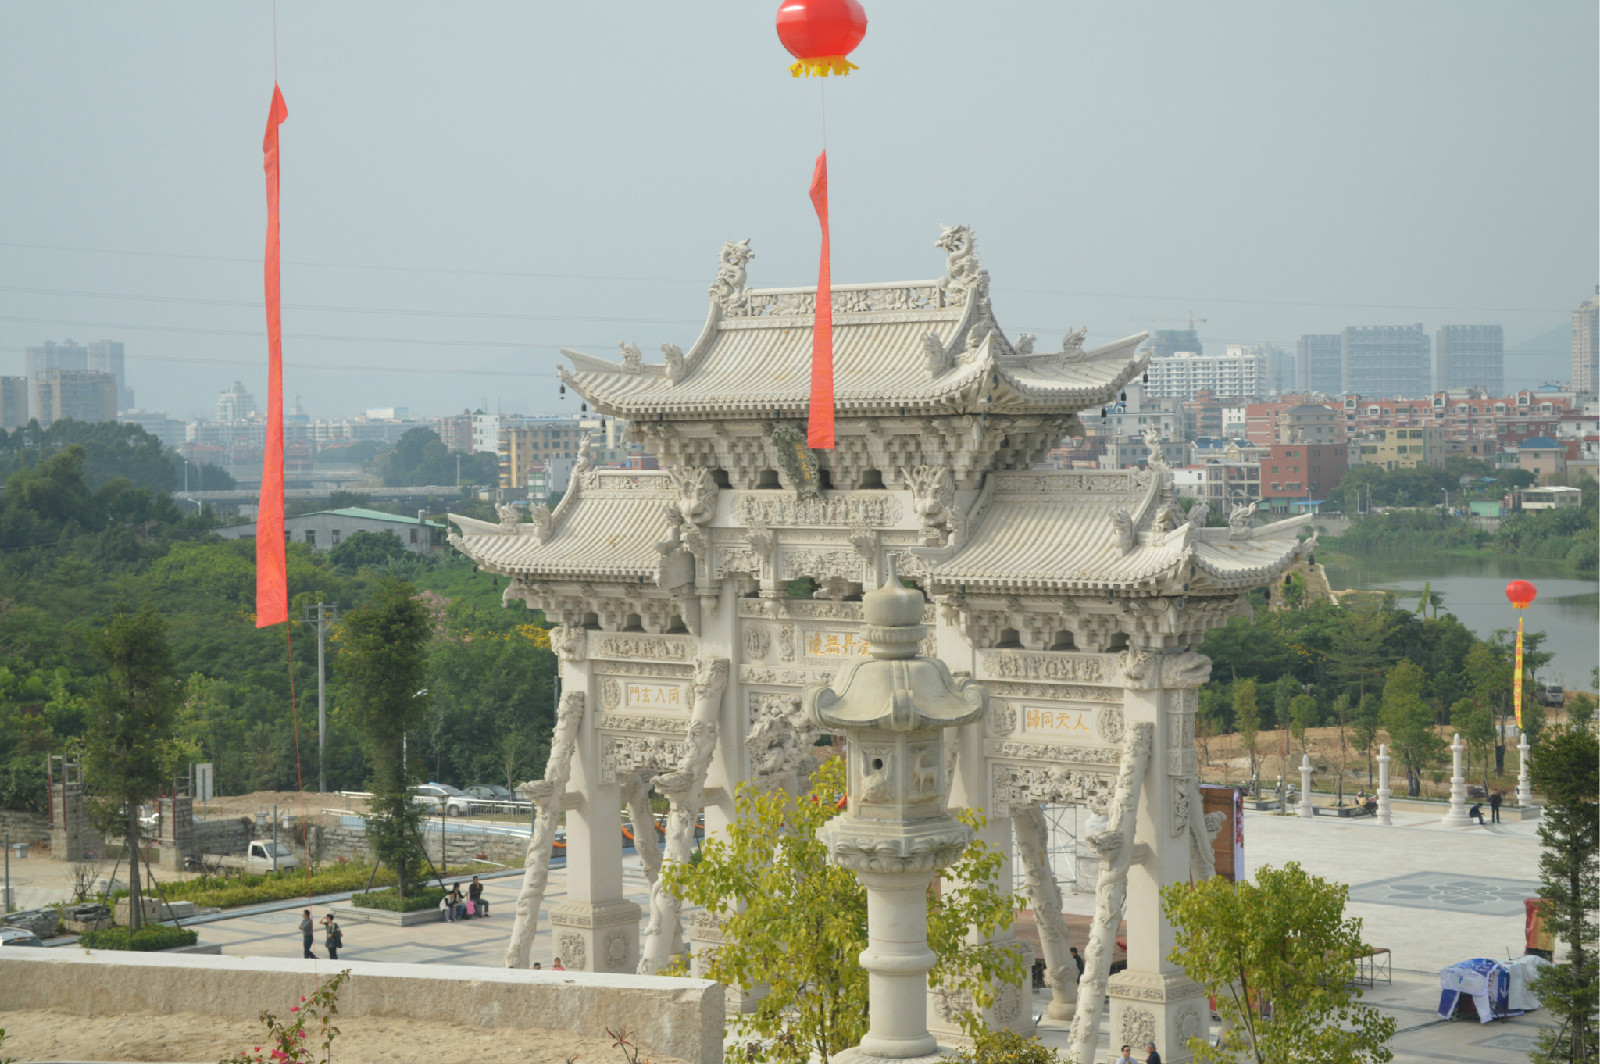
{"type": "Point", "coordinates": [1384, 793]}
{"type": "Point", "coordinates": [896, 833]}
{"type": "Point", "coordinates": [1306, 808]}
{"type": "Point", "coordinates": [1524, 782]}
{"type": "Point", "coordinates": [1457, 816]}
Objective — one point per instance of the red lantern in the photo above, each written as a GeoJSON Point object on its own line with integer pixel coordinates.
{"type": "Point", "coordinates": [1521, 593]}
{"type": "Point", "coordinates": [820, 33]}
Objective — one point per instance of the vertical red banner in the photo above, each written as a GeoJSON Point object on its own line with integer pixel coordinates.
{"type": "Point", "coordinates": [272, 580]}
{"type": "Point", "coordinates": [819, 426]}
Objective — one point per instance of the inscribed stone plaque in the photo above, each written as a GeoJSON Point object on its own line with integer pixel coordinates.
{"type": "Point", "coordinates": [654, 696]}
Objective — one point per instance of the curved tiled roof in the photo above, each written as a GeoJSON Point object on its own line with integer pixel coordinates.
{"type": "Point", "coordinates": [609, 528]}
{"type": "Point", "coordinates": [1057, 531]}
{"type": "Point", "coordinates": [758, 366]}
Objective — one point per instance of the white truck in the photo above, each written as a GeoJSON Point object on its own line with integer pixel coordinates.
{"type": "Point", "coordinates": [257, 858]}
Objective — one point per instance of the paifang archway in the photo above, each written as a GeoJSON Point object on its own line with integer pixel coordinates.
{"type": "Point", "coordinates": [1075, 597]}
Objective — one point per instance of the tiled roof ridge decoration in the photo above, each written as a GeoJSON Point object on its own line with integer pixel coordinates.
{"type": "Point", "coordinates": [925, 345]}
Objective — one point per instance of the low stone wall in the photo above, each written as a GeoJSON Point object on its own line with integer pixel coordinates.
{"type": "Point", "coordinates": [336, 839]}
{"type": "Point", "coordinates": [30, 828]}
{"type": "Point", "coordinates": [670, 1017]}
{"type": "Point", "coordinates": [223, 834]}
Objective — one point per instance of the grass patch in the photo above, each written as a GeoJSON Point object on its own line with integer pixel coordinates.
{"type": "Point", "coordinates": [280, 886]}
{"type": "Point", "coordinates": [148, 939]}
{"type": "Point", "coordinates": [422, 898]}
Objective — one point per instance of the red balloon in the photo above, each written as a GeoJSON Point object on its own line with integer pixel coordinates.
{"type": "Point", "coordinates": [820, 33]}
{"type": "Point", "coordinates": [1521, 593]}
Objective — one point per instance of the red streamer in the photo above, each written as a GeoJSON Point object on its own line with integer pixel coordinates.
{"type": "Point", "coordinates": [272, 581]}
{"type": "Point", "coordinates": [819, 427]}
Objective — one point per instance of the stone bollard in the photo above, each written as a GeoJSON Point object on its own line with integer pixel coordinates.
{"type": "Point", "coordinates": [896, 832]}
{"type": "Point", "coordinates": [1383, 784]}
{"type": "Point", "coordinates": [1457, 817]}
{"type": "Point", "coordinates": [1306, 809]}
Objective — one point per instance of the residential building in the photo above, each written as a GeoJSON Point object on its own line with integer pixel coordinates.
{"type": "Point", "coordinates": [1401, 448]}
{"type": "Point", "coordinates": [1586, 347]}
{"type": "Point", "coordinates": [1202, 416]}
{"type": "Point", "coordinates": [1387, 360]}
{"type": "Point", "coordinates": [1132, 415]}
{"type": "Point", "coordinates": [1319, 364]}
{"type": "Point", "coordinates": [1262, 421]}
{"type": "Point", "coordinates": [326, 529]}
{"type": "Point", "coordinates": [1301, 473]}
{"type": "Point", "coordinates": [526, 441]}
{"type": "Point", "coordinates": [105, 356]}
{"type": "Point", "coordinates": [50, 355]}
{"type": "Point", "coordinates": [59, 394]}
{"type": "Point", "coordinates": [1471, 356]}
{"type": "Point", "coordinates": [1311, 423]}
{"type": "Point", "coordinates": [1232, 478]}
{"type": "Point", "coordinates": [170, 431]}
{"type": "Point", "coordinates": [1164, 342]}
{"type": "Point", "coordinates": [236, 404]}
{"type": "Point", "coordinates": [13, 402]}
{"type": "Point", "coordinates": [486, 432]}
{"type": "Point", "coordinates": [1234, 421]}
{"type": "Point", "coordinates": [1240, 372]}
{"type": "Point", "coordinates": [1131, 452]}
{"type": "Point", "coordinates": [1542, 456]}
{"type": "Point", "coordinates": [455, 431]}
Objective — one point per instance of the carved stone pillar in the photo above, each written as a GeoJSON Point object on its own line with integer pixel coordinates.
{"type": "Point", "coordinates": [1524, 781]}
{"type": "Point", "coordinates": [1457, 816]}
{"type": "Point", "coordinates": [1153, 1000]}
{"type": "Point", "coordinates": [596, 929]}
{"type": "Point", "coordinates": [1306, 809]}
{"type": "Point", "coordinates": [1384, 793]}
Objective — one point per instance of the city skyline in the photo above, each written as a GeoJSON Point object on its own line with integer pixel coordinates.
{"type": "Point", "coordinates": [472, 276]}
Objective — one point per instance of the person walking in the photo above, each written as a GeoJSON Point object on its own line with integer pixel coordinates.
{"type": "Point", "coordinates": [1494, 807]}
{"type": "Point", "coordinates": [331, 936]}
{"type": "Point", "coordinates": [308, 934]}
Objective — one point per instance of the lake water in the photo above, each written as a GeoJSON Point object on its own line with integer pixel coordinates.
{"type": "Point", "coordinates": [1474, 589]}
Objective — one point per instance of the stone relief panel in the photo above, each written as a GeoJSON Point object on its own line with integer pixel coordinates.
{"type": "Point", "coordinates": [630, 646]}
{"type": "Point", "coordinates": [1065, 692]}
{"type": "Point", "coordinates": [625, 755]}
{"type": "Point", "coordinates": [570, 949]}
{"type": "Point", "coordinates": [631, 670]}
{"type": "Point", "coordinates": [643, 722]}
{"type": "Point", "coordinates": [1138, 1026]}
{"type": "Point", "coordinates": [835, 510]}
{"type": "Point", "coordinates": [1014, 785]}
{"type": "Point", "coordinates": [757, 642]}
{"type": "Point", "coordinates": [780, 736]}
{"type": "Point", "coordinates": [610, 694]}
{"type": "Point", "coordinates": [1042, 665]}
{"type": "Point", "coordinates": [823, 564]}
{"type": "Point", "coordinates": [1002, 719]}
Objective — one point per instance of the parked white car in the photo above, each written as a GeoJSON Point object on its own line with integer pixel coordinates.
{"type": "Point", "coordinates": [442, 798]}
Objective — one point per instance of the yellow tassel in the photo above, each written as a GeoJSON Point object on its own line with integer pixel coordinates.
{"type": "Point", "coordinates": [822, 66]}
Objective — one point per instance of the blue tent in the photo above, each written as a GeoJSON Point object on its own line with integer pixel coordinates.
{"type": "Point", "coordinates": [1486, 982]}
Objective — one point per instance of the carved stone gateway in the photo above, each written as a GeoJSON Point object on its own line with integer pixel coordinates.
{"type": "Point", "coordinates": [694, 605]}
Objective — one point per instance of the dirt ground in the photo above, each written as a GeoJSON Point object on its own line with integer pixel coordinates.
{"type": "Point", "coordinates": [186, 1036]}
{"type": "Point", "coordinates": [286, 801]}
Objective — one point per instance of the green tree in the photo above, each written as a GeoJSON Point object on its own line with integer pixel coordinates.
{"type": "Point", "coordinates": [1565, 773]}
{"type": "Point", "coordinates": [1409, 721]}
{"type": "Point", "coordinates": [127, 749]}
{"type": "Point", "coordinates": [366, 550]}
{"type": "Point", "coordinates": [796, 923]}
{"type": "Point", "coordinates": [1303, 714]}
{"type": "Point", "coordinates": [1475, 725]}
{"type": "Point", "coordinates": [1283, 940]}
{"type": "Point", "coordinates": [1247, 719]}
{"type": "Point", "coordinates": [1359, 652]}
{"type": "Point", "coordinates": [1365, 728]}
{"type": "Point", "coordinates": [383, 663]}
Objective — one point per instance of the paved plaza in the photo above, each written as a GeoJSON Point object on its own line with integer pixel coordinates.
{"type": "Point", "coordinates": [1431, 895]}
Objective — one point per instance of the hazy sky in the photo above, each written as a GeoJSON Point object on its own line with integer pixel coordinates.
{"type": "Point", "coordinates": [469, 186]}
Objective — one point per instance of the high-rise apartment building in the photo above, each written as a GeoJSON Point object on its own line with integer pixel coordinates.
{"type": "Point", "coordinates": [1471, 356]}
{"type": "Point", "coordinates": [13, 402]}
{"type": "Point", "coordinates": [1165, 342]}
{"type": "Point", "coordinates": [1387, 360]}
{"type": "Point", "coordinates": [59, 394]}
{"type": "Point", "coordinates": [51, 355]}
{"type": "Point", "coordinates": [105, 356]}
{"type": "Point", "coordinates": [1319, 363]}
{"type": "Point", "coordinates": [1239, 373]}
{"type": "Point", "coordinates": [1586, 347]}
{"type": "Point", "coordinates": [235, 404]}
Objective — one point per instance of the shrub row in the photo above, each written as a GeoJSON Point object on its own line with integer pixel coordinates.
{"type": "Point", "coordinates": [147, 939]}
{"type": "Point", "coordinates": [421, 898]}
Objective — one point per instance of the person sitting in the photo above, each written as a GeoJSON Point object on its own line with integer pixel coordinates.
{"type": "Point", "coordinates": [447, 907]}
{"type": "Point", "coordinates": [458, 904]}
{"type": "Point", "coordinates": [475, 896]}
{"type": "Point", "coordinates": [1475, 813]}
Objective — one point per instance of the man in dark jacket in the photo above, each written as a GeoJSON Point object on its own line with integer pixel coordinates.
{"type": "Point", "coordinates": [1154, 1057]}
{"type": "Point", "coordinates": [308, 931]}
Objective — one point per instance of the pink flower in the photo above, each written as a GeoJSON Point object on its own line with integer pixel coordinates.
{"type": "Point", "coordinates": [295, 1008]}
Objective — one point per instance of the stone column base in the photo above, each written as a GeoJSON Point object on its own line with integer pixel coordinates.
{"type": "Point", "coordinates": [704, 934]}
{"type": "Point", "coordinates": [1166, 1008]}
{"type": "Point", "coordinates": [596, 936]}
{"type": "Point", "coordinates": [1012, 1008]}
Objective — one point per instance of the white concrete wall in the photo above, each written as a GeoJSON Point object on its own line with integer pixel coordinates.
{"type": "Point", "coordinates": [672, 1017]}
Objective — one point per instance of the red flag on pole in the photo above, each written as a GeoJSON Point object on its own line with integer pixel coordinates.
{"type": "Point", "coordinates": [819, 428]}
{"type": "Point", "coordinates": [272, 581]}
